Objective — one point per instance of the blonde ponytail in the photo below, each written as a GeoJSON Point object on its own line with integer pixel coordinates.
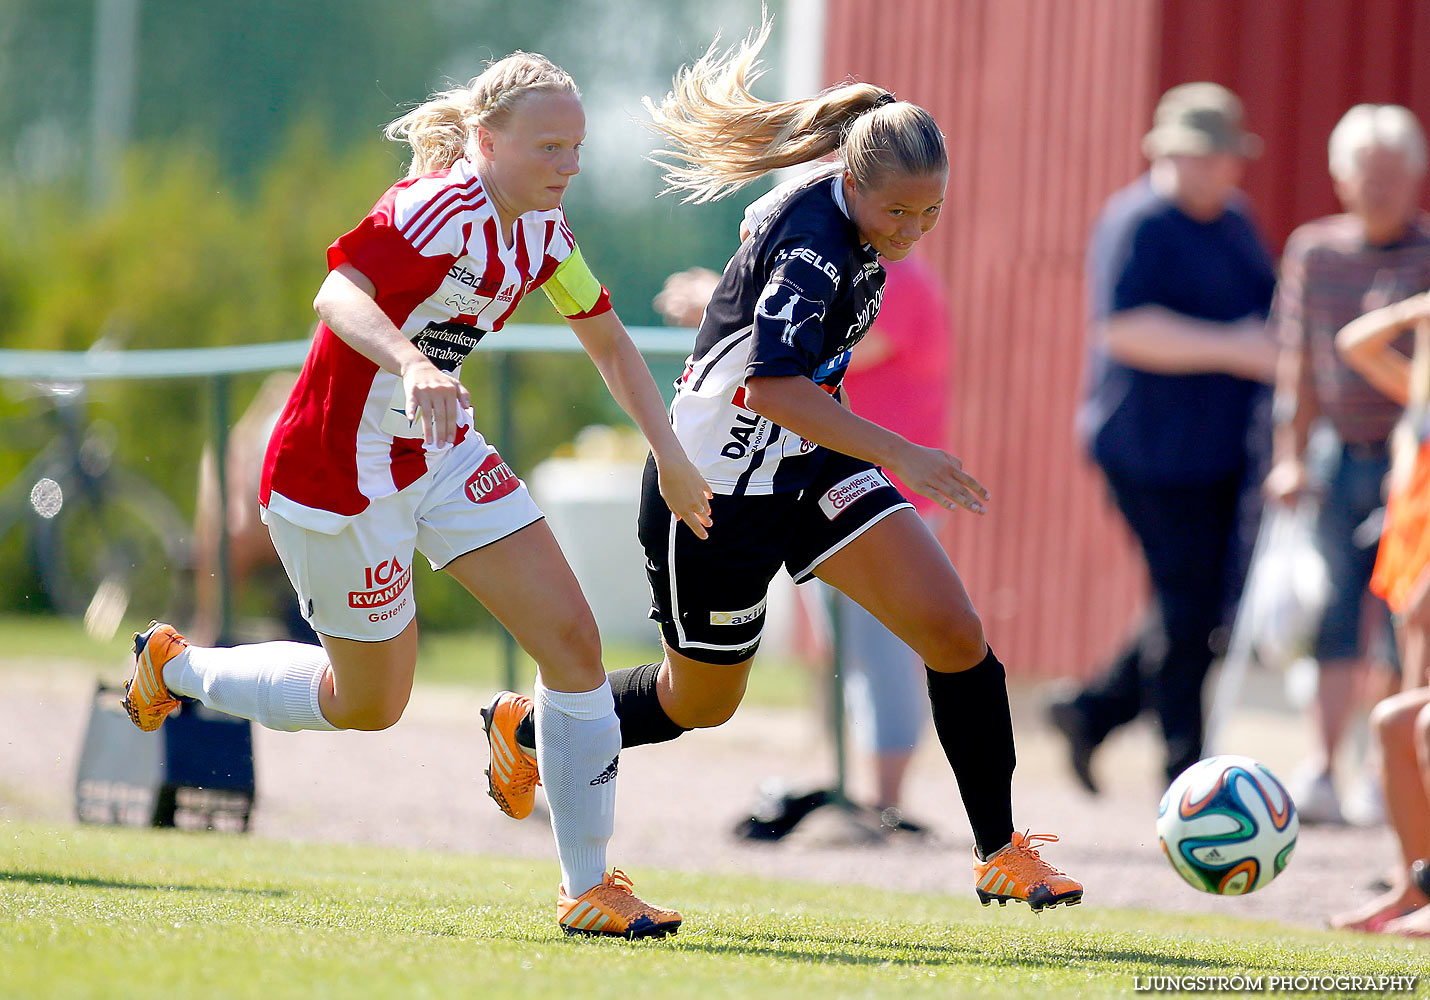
{"type": "Point", "coordinates": [441, 130]}
{"type": "Point", "coordinates": [724, 137]}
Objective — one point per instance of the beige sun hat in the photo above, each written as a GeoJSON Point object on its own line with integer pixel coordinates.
{"type": "Point", "coordinates": [1197, 119]}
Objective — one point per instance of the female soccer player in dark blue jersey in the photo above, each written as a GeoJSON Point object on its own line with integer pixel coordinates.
{"type": "Point", "coordinates": [797, 476]}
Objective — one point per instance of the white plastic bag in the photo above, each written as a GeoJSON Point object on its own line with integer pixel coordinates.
{"type": "Point", "coordinates": [1286, 587]}
{"type": "Point", "coordinates": [1286, 591]}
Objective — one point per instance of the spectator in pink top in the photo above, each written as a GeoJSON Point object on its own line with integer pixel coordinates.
{"type": "Point", "coordinates": [898, 378]}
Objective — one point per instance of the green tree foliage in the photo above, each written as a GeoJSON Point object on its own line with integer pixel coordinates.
{"type": "Point", "coordinates": [179, 258]}
{"type": "Point", "coordinates": [238, 81]}
{"type": "Point", "coordinates": [256, 128]}
{"type": "Point", "coordinates": [184, 258]}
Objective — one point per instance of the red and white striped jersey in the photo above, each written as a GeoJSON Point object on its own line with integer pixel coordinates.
{"type": "Point", "coordinates": [433, 248]}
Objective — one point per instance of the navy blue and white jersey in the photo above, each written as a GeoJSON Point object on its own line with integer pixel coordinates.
{"type": "Point", "coordinates": [800, 292]}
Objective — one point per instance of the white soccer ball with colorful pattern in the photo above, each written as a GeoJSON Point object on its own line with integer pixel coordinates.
{"type": "Point", "coordinates": [1227, 825]}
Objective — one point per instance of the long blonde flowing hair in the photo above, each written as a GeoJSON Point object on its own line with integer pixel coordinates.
{"type": "Point", "coordinates": [441, 130]}
{"type": "Point", "coordinates": [723, 137]}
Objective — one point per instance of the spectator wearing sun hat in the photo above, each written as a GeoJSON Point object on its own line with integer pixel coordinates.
{"type": "Point", "coordinates": [1179, 286]}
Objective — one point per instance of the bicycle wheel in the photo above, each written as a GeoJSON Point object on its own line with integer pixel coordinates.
{"type": "Point", "coordinates": [116, 547]}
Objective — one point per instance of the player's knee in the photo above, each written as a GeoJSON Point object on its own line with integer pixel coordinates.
{"type": "Point", "coordinates": [371, 713]}
{"type": "Point", "coordinates": [1422, 732]}
{"type": "Point", "coordinates": [578, 637]}
{"type": "Point", "coordinates": [959, 643]}
{"type": "Point", "coordinates": [708, 715]}
{"type": "Point", "coordinates": [1392, 721]}
{"type": "Point", "coordinates": [372, 720]}
{"type": "Point", "coordinates": [572, 657]}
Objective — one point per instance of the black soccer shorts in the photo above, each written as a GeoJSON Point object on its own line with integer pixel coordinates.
{"type": "Point", "coordinates": [709, 595]}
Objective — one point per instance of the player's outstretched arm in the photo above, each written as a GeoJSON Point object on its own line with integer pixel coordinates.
{"type": "Point", "coordinates": [610, 348]}
{"type": "Point", "coordinates": [800, 406]}
{"type": "Point", "coordinates": [1368, 345]}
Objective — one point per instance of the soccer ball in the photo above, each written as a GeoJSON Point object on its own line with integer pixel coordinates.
{"type": "Point", "coordinates": [1227, 825]}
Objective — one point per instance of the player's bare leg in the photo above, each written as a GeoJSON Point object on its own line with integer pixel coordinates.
{"type": "Point", "coordinates": [1401, 725]}
{"type": "Point", "coordinates": [698, 695]}
{"type": "Point", "coordinates": [898, 571]}
{"type": "Point", "coordinates": [370, 683]}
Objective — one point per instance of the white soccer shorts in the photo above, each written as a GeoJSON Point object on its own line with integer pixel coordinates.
{"type": "Point", "coordinates": [357, 584]}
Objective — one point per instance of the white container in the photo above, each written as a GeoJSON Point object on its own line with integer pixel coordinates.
{"type": "Point", "coordinates": [592, 506]}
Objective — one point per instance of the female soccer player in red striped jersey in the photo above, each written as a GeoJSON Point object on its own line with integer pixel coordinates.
{"type": "Point", "coordinates": [375, 455]}
{"type": "Point", "coordinates": [797, 475]}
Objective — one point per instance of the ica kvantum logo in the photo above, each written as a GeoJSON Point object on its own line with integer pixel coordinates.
{"type": "Point", "coordinates": [383, 582]}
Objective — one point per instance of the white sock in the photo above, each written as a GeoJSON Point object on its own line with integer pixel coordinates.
{"type": "Point", "coordinates": [578, 745]}
{"type": "Point", "coordinates": [275, 684]}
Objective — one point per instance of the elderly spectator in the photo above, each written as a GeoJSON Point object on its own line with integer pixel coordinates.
{"type": "Point", "coordinates": [1335, 269]}
{"type": "Point", "coordinates": [1179, 287]}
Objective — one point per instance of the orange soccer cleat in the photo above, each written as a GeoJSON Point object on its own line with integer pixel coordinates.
{"type": "Point", "coordinates": [613, 909]}
{"type": "Point", "coordinates": [147, 698]}
{"type": "Point", "coordinates": [512, 777]}
{"type": "Point", "coordinates": [1018, 873]}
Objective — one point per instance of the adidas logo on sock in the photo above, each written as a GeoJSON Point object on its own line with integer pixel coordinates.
{"type": "Point", "coordinates": [609, 774]}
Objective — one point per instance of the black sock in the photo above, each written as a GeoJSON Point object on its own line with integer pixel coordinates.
{"type": "Point", "coordinates": [973, 722]}
{"type": "Point", "coordinates": [526, 733]}
{"type": "Point", "coordinates": [643, 720]}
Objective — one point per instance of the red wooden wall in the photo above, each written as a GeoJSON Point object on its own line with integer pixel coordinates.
{"type": "Point", "coordinates": [1044, 103]}
{"type": "Point", "coordinates": [1298, 66]}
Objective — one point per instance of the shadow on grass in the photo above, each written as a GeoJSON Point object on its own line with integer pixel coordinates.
{"type": "Point", "coordinates": [50, 878]}
{"type": "Point", "coordinates": [816, 948]}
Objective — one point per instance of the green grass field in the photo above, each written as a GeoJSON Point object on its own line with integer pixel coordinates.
{"type": "Point", "coordinates": [112, 913]}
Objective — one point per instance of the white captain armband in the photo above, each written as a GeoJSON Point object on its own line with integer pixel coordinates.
{"type": "Point", "coordinates": [574, 290]}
